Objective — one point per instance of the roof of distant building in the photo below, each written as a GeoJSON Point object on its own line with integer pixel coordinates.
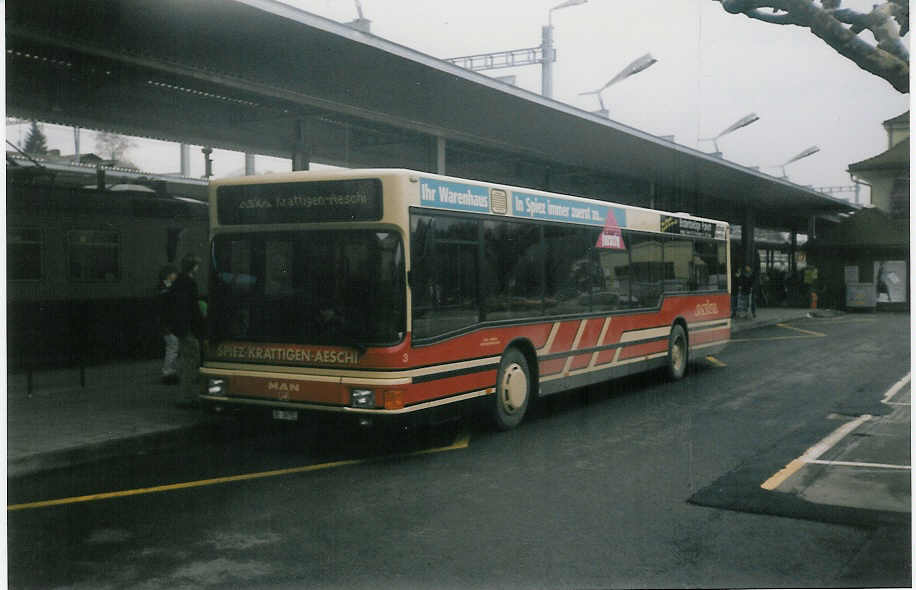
{"type": "Point", "coordinates": [901, 118]}
{"type": "Point", "coordinates": [896, 157]}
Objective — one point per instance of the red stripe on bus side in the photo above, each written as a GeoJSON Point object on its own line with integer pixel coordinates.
{"type": "Point", "coordinates": [422, 392]}
{"type": "Point", "coordinates": [477, 344]}
{"type": "Point", "coordinates": [589, 339]}
{"type": "Point", "coordinates": [644, 349]}
{"type": "Point", "coordinates": [552, 367]}
{"type": "Point", "coordinates": [707, 336]}
{"type": "Point", "coordinates": [566, 334]}
{"type": "Point", "coordinates": [580, 361]}
{"type": "Point", "coordinates": [606, 356]}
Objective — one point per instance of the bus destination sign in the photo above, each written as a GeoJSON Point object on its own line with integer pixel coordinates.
{"type": "Point", "coordinates": [688, 227]}
{"type": "Point", "coordinates": [300, 202]}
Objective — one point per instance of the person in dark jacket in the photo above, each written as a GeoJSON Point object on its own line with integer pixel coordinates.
{"type": "Point", "coordinates": [748, 284]}
{"type": "Point", "coordinates": [187, 324]}
{"type": "Point", "coordinates": [166, 309]}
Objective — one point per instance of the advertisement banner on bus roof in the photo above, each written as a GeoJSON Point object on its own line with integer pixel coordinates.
{"type": "Point", "coordinates": [560, 209]}
{"type": "Point", "coordinates": [454, 195]}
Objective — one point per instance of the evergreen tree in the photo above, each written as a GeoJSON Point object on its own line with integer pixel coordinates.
{"type": "Point", "coordinates": [36, 143]}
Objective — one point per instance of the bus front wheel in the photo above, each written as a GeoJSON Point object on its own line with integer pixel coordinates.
{"type": "Point", "coordinates": [677, 352]}
{"type": "Point", "coordinates": [513, 390]}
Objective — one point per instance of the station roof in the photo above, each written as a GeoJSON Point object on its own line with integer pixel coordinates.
{"type": "Point", "coordinates": [262, 77]}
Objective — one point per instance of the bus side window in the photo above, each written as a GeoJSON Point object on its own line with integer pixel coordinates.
{"type": "Point", "coordinates": [648, 269]}
{"type": "Point", "coordinates": [444, 276]}
{"type": "Point", "coordinates": [678, 258]}
{"type": "Point", "coordinates": [710, 268]}
{"type": "Point", "coordinates": [570, 273]}
{"type": "Point", "coordinates": [512, 270]}
{"type": "Point", "coordinates": [615, 268]}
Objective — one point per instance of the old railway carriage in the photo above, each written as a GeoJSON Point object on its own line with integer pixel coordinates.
{"type": "Point", "coordinates": [380, 292]}
{"type": "Point", "coordinates": [82, 268]}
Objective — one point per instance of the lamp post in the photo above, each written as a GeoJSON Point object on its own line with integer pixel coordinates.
{"type": "Point", "coordinates": [634, 67]}
{"type": "Point", "coordinates": [548, 52]}
{"type": "Point", "coordinates": [742, 122]}
{"type": "Point", "coordinates": [803, 154]}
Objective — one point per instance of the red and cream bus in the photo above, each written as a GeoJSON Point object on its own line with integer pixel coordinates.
{"type": "Point", "coordinates": [387, 292]}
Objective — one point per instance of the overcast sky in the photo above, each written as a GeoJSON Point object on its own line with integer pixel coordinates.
{"type": "Point", "coordinates": [713, 68]}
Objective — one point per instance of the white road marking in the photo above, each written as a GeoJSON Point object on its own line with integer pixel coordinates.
{"type": "Point", "coordinates": [813, 453]}
{"type": "Point", "coordinates": [833, 438]}
{"type": "Point", "coordinates": [859, 464]}
{"type": "Point", "coordinates": [895, 389]}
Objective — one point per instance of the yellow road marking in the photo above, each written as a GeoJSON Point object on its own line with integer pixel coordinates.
{"type": "Point", "coordinates": [811, 332]}
{"type": "Point", "coordinates": [715, 362]}
{"type": "Point", "coordinates": [806, 334]}
{"type": "Point", "coordinates": [461, 442]}
{"type": "Point", "coordinates": [771, 338]}
{"type": "Point", "coordinates": [844, 320]}
{"type": "Point", "coordinates": [783, 474]}
{"type": "Point", "coordinates": [813, 453]}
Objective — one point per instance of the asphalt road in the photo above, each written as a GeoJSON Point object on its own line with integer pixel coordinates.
{"type": "Point", "coordinates": [636, 483]}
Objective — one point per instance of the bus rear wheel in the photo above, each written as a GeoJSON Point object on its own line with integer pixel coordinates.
{"type": "Point", "coordinates": [677, 352]}
{"type": "Point", "coordinates": [513, 390]}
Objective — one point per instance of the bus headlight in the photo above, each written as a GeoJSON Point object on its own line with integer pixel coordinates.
{"type": "Point", "coordinates": [216, 386]}
{"type": "Point", "coordinates": [362, 398]}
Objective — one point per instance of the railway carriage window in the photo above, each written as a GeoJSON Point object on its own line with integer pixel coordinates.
{"type": "Point", "coordinates": [648, 269]}
{"type": "Point", "coordinates": [23, 254]}
{"type": "Point", "coordinates": [443, 274]}
{"type": "Point", "coordinates": [94, 255]}
{"type": "Point", "coordinates": [615, 267]}
{"type": "Point", "coordinates": [710, 275]}
{"type": "Point", "coordinates": [513, 270]}
{"type": "Point", "coordinates": [679, 265]}
{"type": "Point", "coordinates": [572, 270]}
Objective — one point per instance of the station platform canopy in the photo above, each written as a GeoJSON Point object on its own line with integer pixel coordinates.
{"type": "Point", "coordinates": [261, 77]}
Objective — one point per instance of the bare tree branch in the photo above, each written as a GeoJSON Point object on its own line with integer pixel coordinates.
{"type": "Point", "coordinates": [887, 21]}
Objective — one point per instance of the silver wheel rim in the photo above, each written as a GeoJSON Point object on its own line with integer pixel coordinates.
{"type": "Point", "coordinates": [513, 388]}
{"type": "Point", "coordinates": [677, 354]}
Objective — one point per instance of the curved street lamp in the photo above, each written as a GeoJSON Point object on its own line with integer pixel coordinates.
{"type": "Point", "coordinates": [803, 154]}
{"type": "Point", "coordinates": [742, 122]}
{"type": "Point", "coordinates": [636, 66]}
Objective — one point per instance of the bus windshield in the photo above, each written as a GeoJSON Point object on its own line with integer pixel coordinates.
{"type": "Point", "coordinates": [339, 288]}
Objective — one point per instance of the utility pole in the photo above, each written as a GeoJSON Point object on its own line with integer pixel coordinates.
{"type": "Point", "coordinates": [545, 54]}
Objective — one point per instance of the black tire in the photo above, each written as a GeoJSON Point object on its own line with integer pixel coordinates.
{"type": "Point", "coordinates": [513, 390]}
{"type": "Point", "coordinates": [678, 353]}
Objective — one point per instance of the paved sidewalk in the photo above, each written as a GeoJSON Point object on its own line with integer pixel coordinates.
{"type": "Point", "coordinates": [768, 316]}
{"type": "Point", "coordinates": [124, 409]}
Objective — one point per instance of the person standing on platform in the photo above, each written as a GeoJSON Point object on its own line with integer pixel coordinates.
{"type": "Point", "coordinates": [748, 284]}
{"type": "Point", "coordinates": [187, 326]}
{"type": "Point", "coordinates": [166, 310]}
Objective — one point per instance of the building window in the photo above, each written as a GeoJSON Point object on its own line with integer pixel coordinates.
{"type": "Point", "coordinates": [94, 255]}
{"type": "Point", "coordinates": [24, 247]}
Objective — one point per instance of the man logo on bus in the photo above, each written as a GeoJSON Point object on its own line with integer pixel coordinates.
{"type": "Point", "coordinates": [282, 389]}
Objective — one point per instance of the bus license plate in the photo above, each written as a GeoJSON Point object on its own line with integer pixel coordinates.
{"type": "Point", "coordinates": [286, 415]}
